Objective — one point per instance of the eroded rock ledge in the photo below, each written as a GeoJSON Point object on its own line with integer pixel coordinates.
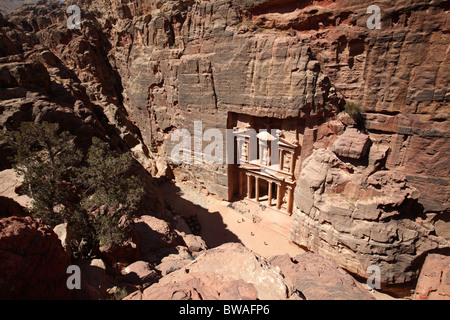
{"type": "Point", "coordinates": [233, 272]}
{"type": "Point", "coordinates": [138, 70]}
{"type": "Point", "coordinates": [359, 214]}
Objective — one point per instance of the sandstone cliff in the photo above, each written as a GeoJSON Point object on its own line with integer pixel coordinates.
{"type": "Point", "coordinates": [184, 61]}
{"type": "Point", "coordinates": [181, 61]}
{"type": "Point", "coordinates": [137, 70]}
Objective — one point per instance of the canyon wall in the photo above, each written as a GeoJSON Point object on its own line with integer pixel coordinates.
{"type": "Point", "coordinates": [183, 61]}
{"type": "Point", "coordinates": [141, 69]}
{"type": "Point", "coordinates": [187, 62]}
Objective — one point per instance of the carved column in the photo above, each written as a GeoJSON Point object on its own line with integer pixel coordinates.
{"type": "Point", "coordinates": [257, 189]}
{"type": "Point", "coordinates": [292, 163]}
{"type": "Point", "coordinates": [249, 186]}
{"type": "Point", "coordinates": [290, 199]}
{"type": "Point", "coordinates": [279, 196]}
{"type": "Point", "coordinates": [281, 160]}
{"type": "Point", "coordinates": [269, 193]}
{"type": "Point", "coordinates": [241, 183]}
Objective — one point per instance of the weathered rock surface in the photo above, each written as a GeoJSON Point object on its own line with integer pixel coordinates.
{"type": "Point", "coordinates": [233, 272]}
{"type": "Point", "coordinates": [193, 242]}
{"type": "Point", "coordinates": [434, 279]}
{"type": "Point", "coordinates": [138, 70]}
{"type": "Point", "coordinates": [351, 144]}
{"type": "Point", "coordinates": [199, 286]}
{"type": "Point", "coordinates": [282, 59]}
{"type": "Point", "coordinates": [175, 261]}
{"type": "Point", "coordinates": [379, 68]}
{"type": "Point", "coordinates": [191, 63]}
{"type": "Point", "coordinates": [358, 220]}
{"type": "Point", "coordinates": [8, 207]}
{"type": "Point", "coordinates": [230, 268]}
{"type": "Point", "coordinates": [65, 236]}
{"type": "Point", "coordinates": [315, 278]}
{"type": "Point", "coordinates": [124, 253]}
{"type": "Point", "coordinates": [53, 74]}
{"type": "Point", "coordinates": [152, 234]}
{"type": "Point", "coordinates": [33, 263]}
{"type": "Point", "coordinates": [155, 66]}
{"type": "Point", "coordinates": [140, 273]}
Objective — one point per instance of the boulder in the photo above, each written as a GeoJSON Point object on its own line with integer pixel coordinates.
{"type": "Point", "coordinates": [193, 242]}
{"type": "Point", "coordinates": [151, 234]}
{"type": "Point", "coordinates": [95, 282]}
{"type": "Point", "coordinates": [351, 144]}
{"type": "Point", "coordinates": [139, 273]}
{"type": "Point", "coordinates": [434, 279]}
{"type": "Point", "coordinates": [316, 278]}
{"type": "Point", "coordinates": [230, 268]}
{"type": "Point", "coordinates": [65, 236]}
{"type": "Point", "coordinates": [175, 261]}
{"type": "Point", "coordinates": [126, 252]}
{"type": "Point", "coordinates": [199, 286]}
{"type": "Point", "coordinates": [33, 263]}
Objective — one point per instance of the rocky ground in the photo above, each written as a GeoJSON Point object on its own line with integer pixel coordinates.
{"type": "Point", "coordinates": [136, 71]}
{"type": "Point", "coordinates": [161, 262]}
{"type": "Point", "coordinates": [167, 261]}
{"type": "Point", "coordinates": [220, 223]}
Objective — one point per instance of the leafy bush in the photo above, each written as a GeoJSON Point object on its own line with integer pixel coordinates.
{"type": "Point", "coordinates": [96, 198]}
{"type": "Point", "coordinates": [110, 191]}
{"type": "Point", "coordinates": [45, 160]}
{"type": "Point", "coordinates": [355, 112]}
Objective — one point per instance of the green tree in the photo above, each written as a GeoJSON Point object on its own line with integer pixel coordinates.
{"type": "Point", "coordinates": [95, 195]}
{"type": "Point", "coordinates": [45, 159]}
{"type": "Point", "coordinates": [111, 192]}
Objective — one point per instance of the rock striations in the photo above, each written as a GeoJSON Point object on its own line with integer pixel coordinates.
{"type": "Point", "coordinates": [376, 194]}
{"type": "Point", "coordinates": [233, 272]}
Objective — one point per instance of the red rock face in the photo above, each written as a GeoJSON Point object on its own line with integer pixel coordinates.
{"type": "Point", "coordinates": [318, 279]}
{"type": "Point", "coordinates": [401, 67]}
{"type": "Point", "coordinates": [360, 218]}
{"type": "Point", "coordinates": [233, 272]}
{"type": "Point", "coordinates": [33, 263]}
{"type": "Point", "coordinates": [149, 67]}
{"type": "Point", "coordinates": [434, 279]}
{"type": "Point", "coordinates": [281, 58]}
{"type": "Point", "coordinates": [153, 67]}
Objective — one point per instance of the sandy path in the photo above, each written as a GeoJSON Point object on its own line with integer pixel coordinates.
{"type": "Point", "coordinates": [221, 224]}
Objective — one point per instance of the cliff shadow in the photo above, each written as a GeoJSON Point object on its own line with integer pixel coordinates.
{"type": "Point", "coordinates": [211, 227]}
